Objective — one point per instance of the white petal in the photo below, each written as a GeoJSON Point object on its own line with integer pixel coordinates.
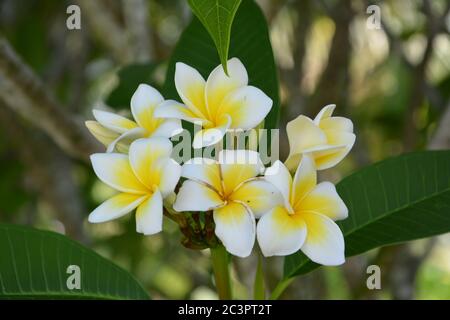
{"type": "Point", "coordinates": [204, 170]}
{"type": "Point", "coordinates": [237, 166]}
{"type": "Point", "coordinates": [149, 215]}
{"type": "Point", "coordinates": [325, 200]}
{"type": "Point", "coordinates": [235, 227]}
{"type": "Point", "coordinates": [219, 84]}
{"type": "Point", "coordinates": [113, 121]}
{"type": "Point", "coordinates": [147, 158]}
{"type": "Point", "coordinates": [114, 169]}
{"type": "Point", "coordinates": [171, 109]}
{"type": "Point", "coordinates": [343, 142]}
{"type": "Point", "coordinates": [337, 124]}
{"type": "Point", "coordinates": [168, 128]}
{"type": "Point", "coordinates": [258, 195]}
{"type": "Point", "coordinates": [190, 86]}
{"type": "Point", "coordinates": [127, 138]}
{"type": "Point", "coordinates": [324, 242]}
{"type": "Point", "coordinates": [280, 234]}
{"type": "Point", "coordinates": [211, 136]}
{"type": "Point", "coordinates": [195, 196]}
{"type": "Point", "coordinates": [280, 177]}
{"type": "Point", "coordinates": [102, 134]}
{"type": "Point", "coordinates": [305, 180]}
{"type": "Point", "coordinates": [303, 134]}
{"type": "Point", "coordinates": [143, 101]}
{"type": "Point", "coordinates": [116, 207]}
{"type": "Point", "coordinates": [169, 177]}
{"type": "Point", "coordinates": [247, 106]}
{"type": "Point", "coordinates": [321, 151]}
{"type": "Point", "coordinates": [326, 112]}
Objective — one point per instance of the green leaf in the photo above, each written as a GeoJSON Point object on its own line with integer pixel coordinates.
{"type": "Point", "coordinates": [396, 200]}
{"type": "Point", "coordinates": [129, 79]}
{"type": "Point", "coordinates": [249, 42]}
{"type": "Point", "coordinates": [33, 264]}
{"type": "Point", "coordinates": [217, 17]}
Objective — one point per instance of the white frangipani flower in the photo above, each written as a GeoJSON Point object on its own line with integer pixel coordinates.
{"type": "Point", "coordinates": [144, 178]}
{"type": "Point", "coordinates": [220, 103]}
{"type": "Point", "coordinates": [306, 219]}
{"type": "Point", "coordinates": [231, 189]}
{"type": "Point", "coordinates": [327, 139]}
{"type": "Point", "coordinates": [117, 132]}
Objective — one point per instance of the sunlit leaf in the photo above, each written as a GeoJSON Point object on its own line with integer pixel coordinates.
{"type": "Point", "coordinates": [217, 17]}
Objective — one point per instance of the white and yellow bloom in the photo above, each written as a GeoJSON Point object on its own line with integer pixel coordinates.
{"type": "Point", "coordinates": [327, 139]}
{"type": "Point", "coordinates": [231, 189]}
{"type": "Point", "coordinates": [220, 103]}
{"type": "Point", "coordinates": [306, 220]}
{"type": "Point", "coordinates": [117, 132]}
{"type": "Point", "coordinates": [144, 178]}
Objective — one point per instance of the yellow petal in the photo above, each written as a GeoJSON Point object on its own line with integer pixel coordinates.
{"type": "Point", "coordinates": [235, 227]}
{"type": "Point", "coordinates": [203, 170]}
{"type": "Point", "coordinates": [280, 177]}
{"type": "Point", "coordinates": [190, 86]}
{"type": "Point", "coordinates": [247, 107]}
{"type": "Point", "coordinates": [316, 152]}
{"type": "Point", "coordinates": [143, 103]}
{"type": "Point", "coordinates": [324, 242]}
{"type": "Point", "coordinates": [196, 196]}
{"type": "Point", "coordinates": [171, 109]}
{"type": "Point", "coordinates": [325, 200]}
{"type": "Point", "coordinates": [171, 172]}
{"type": "Point", "coordinates": [325, 113]}
{"type": "Point", "coordinates": [113, 121]}
{"type": "Point", "coordinates": [149, 215]}
{"type": "Point", "coordinates": [305, 180]}
{"type": "Point", "coordinates": [116, 207]}
{"type": "Point", "coordinates": [167, 128]}
{"type": "Point", "coordinates": [102, 134]}
{"type": "Point", "coordinates": [259, 195]}
{"type": "Point", "coordinates": [237, 166]}
{"type": "Point", "coordinates": [211, 136]}
{"type": "Point", "coordinates": [114, 169]}
{"type": "Point", "coordinates": [336, 124]}
{"type": "Point", "coordinates": [148, 157]}
{"type": "Point", "coordinates": [303, 134]}
{"type": "Point", "coordinates": [279, 233]}
{"type": "Point", "coordinates": [219, 84]}
{"type": "Point", "coordinates": [125, 139]}
{"type": "Point", "coordinates": [342, 142]}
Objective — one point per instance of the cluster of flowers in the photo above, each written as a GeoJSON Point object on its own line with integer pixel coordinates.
{"type": "Point", "coordinates": [294, 212]}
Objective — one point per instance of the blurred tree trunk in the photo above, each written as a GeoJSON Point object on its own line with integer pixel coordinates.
{"type": "Point", "coordinates": [50, 173]}
{"type": "Point", "coordinates": [333, 84]}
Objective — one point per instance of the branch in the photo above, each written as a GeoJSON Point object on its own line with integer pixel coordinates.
{"type": "Point", "coordinates": [138, 27]}
{"type": "Point", "coordinates": [417, 95]}
{"type": "Point", "coordinates": [333, 83]}
{"type": "Point", "coordinates": [441, 137]}
{"type": "Point", "coordinates": [49, 172]}
{"type": "Point", "coordinates": [24, 93]}
{"type": "Point", "coordinates": [106, 29]}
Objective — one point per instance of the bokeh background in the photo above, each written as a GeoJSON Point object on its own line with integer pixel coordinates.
{"type": "Point", "coordinates": [393, 82]}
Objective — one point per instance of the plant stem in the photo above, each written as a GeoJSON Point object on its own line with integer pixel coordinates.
{"type": "Point", "coordinates": [259, 289]}
{"type": "Point", "coordinates": [219, 257]}
{"type": "Point", "coordinates": [279, 289]}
